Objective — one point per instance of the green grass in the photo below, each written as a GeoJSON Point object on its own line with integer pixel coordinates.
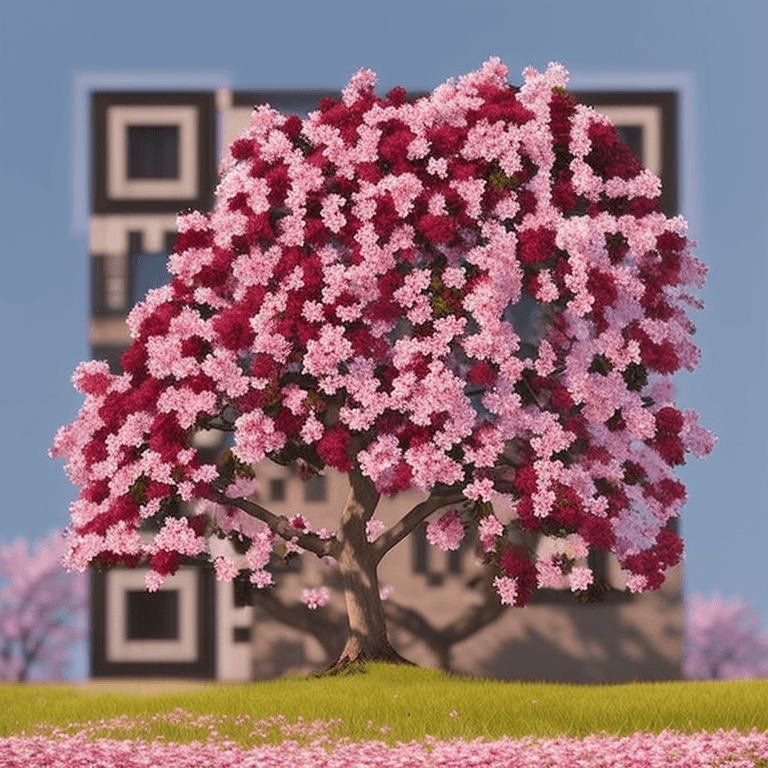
{"type": "Point", "coordinates": [409, 703]}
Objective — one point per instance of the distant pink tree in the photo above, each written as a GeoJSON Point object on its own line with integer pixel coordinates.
{"type": "Point", "coordinates": [723, 640]}
{"type": "Point", "coordinates": [473, 294]}
{"type": "Point", "coordinates": [42, 610]}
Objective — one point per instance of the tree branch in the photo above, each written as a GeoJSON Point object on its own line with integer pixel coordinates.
{"type": "Point", "coordinates": [327, 627]}
{"type": "Point", "coordinates": [414, 622]}
{"type": "Point", "coordinates": [442, 640]}
{"type": "Point", "coordinates": [476, 617]}
{"type": "Point", "coordinates": [409, 521]}
{"type": "Point", "coordinates": [280, 526]}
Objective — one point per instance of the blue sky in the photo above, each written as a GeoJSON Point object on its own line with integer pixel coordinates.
{"type": "Point", "coordinates": [712, 50]}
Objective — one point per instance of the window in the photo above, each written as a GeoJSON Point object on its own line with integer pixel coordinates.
{"type": "Point", "coordinates": [241, 634]}
{"type": "Point", "coordinates": [315, 489]}
{"type": "Point", "coordinates": [454, 559]}
{"type": "Point", "coordinates": [632, 136]}
{"type": "Point", "coordinates": [147, 270]}
{"type": "Point", "coordinates": [242, 589]}
{"type": "Point", "coordinates": [153, 152]}
{"type": "Point", "coordinates": [421, 557]}
{"type": "Point", "coordinates": [647, 122]}
{"type": "Point", "coordinates": [277, 489]}
{"type": "Point", "coordinates": [152, 615]}
{"type": "Point", "coordinates": [420, 550]}
{"type": "Point", "coordinates": [111, 354]}
{"type": "Point", "coordinates": [167, 632]}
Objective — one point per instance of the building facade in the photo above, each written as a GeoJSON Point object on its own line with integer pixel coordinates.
{"type": "Point", "coordinates": [154, 154]}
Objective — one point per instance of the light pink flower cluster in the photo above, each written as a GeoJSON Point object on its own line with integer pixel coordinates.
{"type": "Point", "coordinates": [555, 563]}
{"type": "Point", "coordinates": [315, 598]}
{"type": "Point", "coordinates": [506, 586]}
{"type": "Point", "coordinates": [489, 529]}
{"type": "Point", "coordinates": [373, 528]}
{"type": "Point", "coordinates": [420, 290]}
{"type": "Point", "coordinates": [447, 531]}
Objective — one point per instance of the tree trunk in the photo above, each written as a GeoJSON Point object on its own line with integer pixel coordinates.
{"type": "Point", "coordinates": [367, 639]}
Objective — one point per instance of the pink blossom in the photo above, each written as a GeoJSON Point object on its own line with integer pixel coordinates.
{"type": "Point", "coordinates": [480, 489]}
{"type": "Point", "coordinates": [549, 575]}
{"type": "Point", "coordinates": [242, 488]}
{"type": "Point", "coordinates": [312, 430]}
{"type": "Point", "coordinates": [186, 404]}
{"type": "Point", "coordinates": [177, 536]}
{"type": "Point", "coordinates": [225, 569]}
{"type": "Point", "coordinates": [636, 582]}
{"type": "Point", "coordinates": [261, 579]}
{"type": "Point", "coordinates": [700, 441]}
{"type": "Point", "coordinates": [256, 436]}
{"type": "Point", "coordinates": [580, 578]}
{"type": "Point", "coordinates": [292, 548]}
{"type": "Point", "coordinates": [144, 309]}
{"type": "Point", "coordinates": [326, 353]}
{"type": "Point", "coordinates": [506, 588]}
{"type": "Point", "coordinates": [165, 358]}
{"type": "Point", "coordinates": [430, 466]}
{"type": "Point", "coordinates": [153, 581]}
{"type": "Point", "coordinates": [373, 528]}
{"type": "Point", "coordinates": [300, 523]}
{"type": "Point", "coordinates": [313, 745]}
{"type": "Point", "coordinates": [223, 369]}
{"type": "Point", "coordinates": [315, 598]}
{"type": "Point", "coordinates": [364, 80]}
{"type": "Point", "coordinates": [380, 459]}
{"type": "Point", "coordinates": [92, 378]}
{"type": "Point", "coordinates": [490, 527]}
{"type": "Point", "coordinates": [123, 539]}
{"type": "Point", "coordinates": [260, 551]}
{"type": "Point", "coordinates": [447, 531]}
{"type": "Point", "coordinates": [404, 190]}
{"type": "Point", "coordinates": [333, 218]}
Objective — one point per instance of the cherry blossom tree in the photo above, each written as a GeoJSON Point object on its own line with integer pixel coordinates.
{"type": "Point", "coordinates": [42, 610]}
{"type": "Point", "coordinates": [723, 639]}
{"type": "Point", "coordinates": [473, 294]}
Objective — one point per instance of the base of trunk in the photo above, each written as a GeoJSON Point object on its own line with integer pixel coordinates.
{"type": "Point", "coordinates": [354, 660]}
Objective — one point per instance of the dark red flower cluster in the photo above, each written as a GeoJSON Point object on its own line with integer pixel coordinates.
{"type": "Point", "coordinates": [514, 563]}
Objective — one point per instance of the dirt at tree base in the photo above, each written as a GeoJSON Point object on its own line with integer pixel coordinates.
{"type": "Point", "coordinates": [350, 665]}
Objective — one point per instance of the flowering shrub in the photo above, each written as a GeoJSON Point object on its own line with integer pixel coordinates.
{"type": "Point", "coordinates": [42, 610]}
{"type": "Point", "coordinates": [474, 294]}
{"type": "Point", "coordinates": [723, 640]}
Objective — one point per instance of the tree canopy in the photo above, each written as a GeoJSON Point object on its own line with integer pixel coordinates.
{"type": "Point", "coordinates": [473, 293]}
